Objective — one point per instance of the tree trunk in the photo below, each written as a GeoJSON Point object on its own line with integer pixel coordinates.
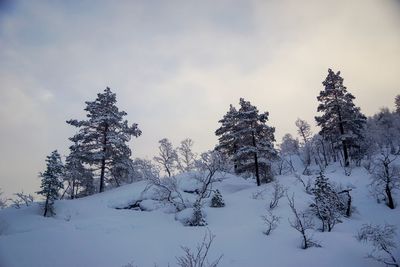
{"type": "Point", "coordinates": [103, 160]}
{"type": "Point", "coordinates": [256, 161]}
{"type": "Point", "coordinates": [389, 195]}
{"type": "Point", "coordinates": [46, 205]}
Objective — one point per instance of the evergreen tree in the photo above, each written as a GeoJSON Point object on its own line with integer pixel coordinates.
{"type": "Point", "coordinates": [327, 204]}
{"type": "Point", "coordinates": [255, 137]}
{"type": "Point", "coordinates": [248, 140]}
{"type": "Point", "coordinates": [79, 179]}
{"type": "Point", "coordinates": [197, 218]}
{"type": "Point", "coordinates": [341, 121]}
{"type": "Point", "coordinates": [397, 103]}
{"type": "Point", "coordinates": [217, 201]}
{"type": "Point", "coordinates": [51, 181]}
{"type": "Point", "coordinates": [227, 138]}
{"type": "Point", "coordinates": [103, 136]}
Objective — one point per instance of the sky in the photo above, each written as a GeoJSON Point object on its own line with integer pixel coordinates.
{"type": "Point", "coordinates": [177, 65]}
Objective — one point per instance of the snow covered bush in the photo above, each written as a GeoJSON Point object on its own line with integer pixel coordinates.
{"type": "Point", "coordinates": [197, 218]}
{"type": "Point", "coordinates": [217, 201]}
{"type": "Point", "coordinates": [271, 222]}
{"type": "Point", "coordinates": [327, 205]}
{"type": "Point", "coordinates": [167, 190]}
{"type": "Point", "coordinates": [199, 257]}
{"type": "Point", "coordinates": [382, 239]}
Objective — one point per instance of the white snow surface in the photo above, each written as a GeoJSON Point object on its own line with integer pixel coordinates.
{"type": "Point", "coordinates": [91, 232]}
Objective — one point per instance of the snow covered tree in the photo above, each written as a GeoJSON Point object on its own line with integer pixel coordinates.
{"type": "Point", "coordinates": [227, 136]}
{"type": "Point", "coordinates": [103, 136]}
{"type": "Point", "coordinates": [217, 201]}
{"type": "Point", "coordinates": [248, 140]}
{"type": "Point", "coordinates": [186, 157]}
{"type": "Point", "coordinates": [197, 218]}
{"type": "Point", "coordinates": [397, 103]}
{"type": "Point", "coordinates": [51, 181]}
{"type": "Point", "coordinates": [382, 239]}
{"type": "Point", "coordinates": [341, 122]}
{"type": "Point", "coordinates": [383, 132]}
{"type": "Point", "coordinates": [3, 200]}
{"type": "Point", "coordinates": [167, 156]}
{"type": "Point", "coordinates": [289, 145]}
{"type": "Point", "coordinates": [386, 178]}
{"type": "Point", "coordinates": [304, 130]}
{"type": "Point", "coordinates": [79, 179]}
{"type": "Point", "coordinates": [327, 205]}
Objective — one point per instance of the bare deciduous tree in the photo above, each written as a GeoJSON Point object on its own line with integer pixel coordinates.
{"type": "Point", "coordinates": [277, 194]}
{"type": "Point", "coordinates": [186, 157]}
{"type": "Point", "coordinates": [381, 237]}
{"type": "Point", "coordinates": [167, 156]}
{"type": "Point", "coordinates": [386, 178]}
{"type": "Point", "coordinates": [271, 221]}
{"type": "Point", "coordinates": [22, 199]}
{"type": "Point", "coordinates": [302, 223]}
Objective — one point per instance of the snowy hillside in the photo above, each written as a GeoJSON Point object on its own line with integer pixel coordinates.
{"type": "Point", "coordinates": [91, 231]}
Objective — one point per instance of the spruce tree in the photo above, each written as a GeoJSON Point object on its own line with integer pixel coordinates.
{"type": "Point", "coordinates": [217, 201]}
{"type": "Point", "coordinates": [51, 181]}
{"type": "Point", "coordinates": [341, 121]}
{"type": "Point", "coordinates": [103, 136]}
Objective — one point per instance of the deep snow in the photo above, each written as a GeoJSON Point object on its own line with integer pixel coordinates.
{"type": "Point", "coordinates": [92, 232]}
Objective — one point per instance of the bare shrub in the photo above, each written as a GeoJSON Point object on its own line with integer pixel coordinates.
{"type": "Point", "coordinates": [302, 223]}
{"type": "Point", "coordinates": [271, 222]}
{"type": "Point", "coordinates": [199, 257]}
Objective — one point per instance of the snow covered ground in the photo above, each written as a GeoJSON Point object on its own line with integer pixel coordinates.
{"type": "Point", "coordinates": [92, 232]}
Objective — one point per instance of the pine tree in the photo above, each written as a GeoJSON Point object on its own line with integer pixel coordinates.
{"type": "Point", "coordinates": [248, 140]}
{"type": "Point", "coordinates": [79, 179]}
{"type": "Point", "coordinates": [341, 122]}
{"type": "Point", "coordinates": [103, 136]}
{"type": "Point", "coordinates": [51, 181]}
{"type": "Point", "coordinates": [227, 137]}
{"type": "Point", "coordinates": [256, 139]}
{"type": "Point", "coordinates": [217, 201]}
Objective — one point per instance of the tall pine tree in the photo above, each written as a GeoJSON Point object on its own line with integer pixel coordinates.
{"type": "Point", "coordinates": [341, 122]}
{"type": "Point", "coordinates": [103, 136]}
{"type": "Point", "coordinates": [246, 138]}
{"type": "Point", "coordinates": [51, 181]}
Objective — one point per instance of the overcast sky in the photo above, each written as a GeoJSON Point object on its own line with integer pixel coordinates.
{"type": "Point", "coordinates": [177, 65]}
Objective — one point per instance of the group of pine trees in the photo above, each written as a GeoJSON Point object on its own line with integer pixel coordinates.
{"type": "Point", "coordinates": [99, 149]}
{"type": "Point", "coordinates": [100, 156]}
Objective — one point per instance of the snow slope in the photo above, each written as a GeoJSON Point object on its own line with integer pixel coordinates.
{"type": "Point", "coordinates": [91, 232]}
